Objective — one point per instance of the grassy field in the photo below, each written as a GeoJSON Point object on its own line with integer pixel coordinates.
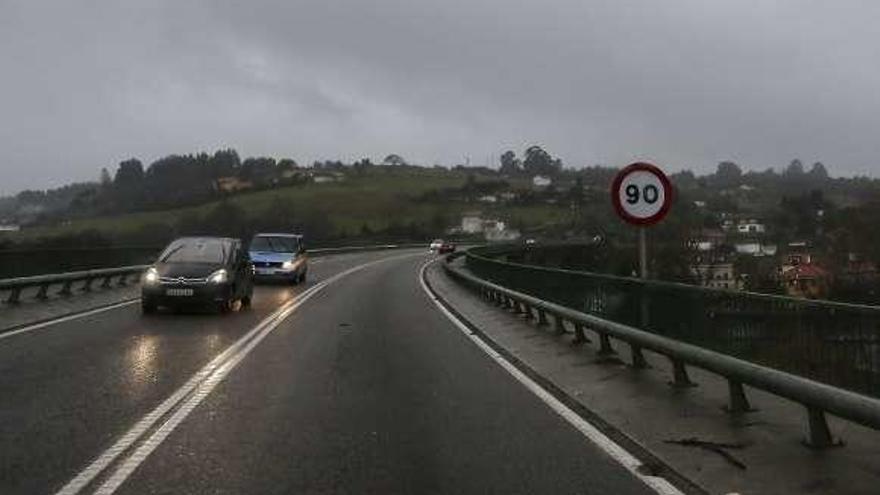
{"type": "Point", "coordinates": [374, 201]}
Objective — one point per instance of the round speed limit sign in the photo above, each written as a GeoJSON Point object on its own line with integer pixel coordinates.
{"type": "Point", "coordinates": [642, 194]}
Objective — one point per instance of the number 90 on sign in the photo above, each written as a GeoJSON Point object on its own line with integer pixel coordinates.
{"type": "Point", "coordinates": [641, 194]}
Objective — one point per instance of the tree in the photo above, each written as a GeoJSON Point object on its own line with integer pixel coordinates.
{"type": "Point", "coordinates": [105, 177]}
{"type": "Point", "coordinates": [539, 162]}
{"type": "Point", "coordinates": [728, 174]}
{"type": "Point", "coordinates": [394, 160]}
{"type": "Point", "coordinates": [287, 164]}
{"type": "Point", "coordinates": [795, 170]}
{"type": "Point", "coordinates": [818, 173]}
{"type": "Point", "coordinates": [224, 163]}
{"type": "Point", "coordinates": [510, 164]}
{"type": "Point", "coordinates": [129, 174]}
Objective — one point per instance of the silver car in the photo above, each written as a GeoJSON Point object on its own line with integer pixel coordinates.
{"type": "Point", "coordinates": [279, 257]}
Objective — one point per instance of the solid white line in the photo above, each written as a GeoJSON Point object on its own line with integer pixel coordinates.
{"type": "Point", "coordinates": [72, 317]}
{"type": "Point", "coordinates": [190, 395]}
{"type": "Point", "coordinates": [615, 451]}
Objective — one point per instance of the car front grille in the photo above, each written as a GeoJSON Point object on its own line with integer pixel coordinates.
{"type": "Point", "coordinates": [267, 264]}
{"type": "Point", "coordinates": [182, 281]}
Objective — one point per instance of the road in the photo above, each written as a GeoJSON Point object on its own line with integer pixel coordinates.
{"type": "Point", "coordinates": [364, 387]}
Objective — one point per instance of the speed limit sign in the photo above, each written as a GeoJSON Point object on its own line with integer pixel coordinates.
{"type": "Point", "coordinates": [642, 194]}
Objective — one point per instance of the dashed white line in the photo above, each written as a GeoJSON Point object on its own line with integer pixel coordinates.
{"type": "Point", "coordinates": [189, 395]}
{"type": "Point", "coordinates": [610, 447]}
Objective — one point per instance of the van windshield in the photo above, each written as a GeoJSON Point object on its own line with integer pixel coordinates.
{"type": "Point", "coordinates": [275, 244]}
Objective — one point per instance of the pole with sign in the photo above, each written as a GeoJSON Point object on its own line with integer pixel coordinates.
{"type": "Point", "coordinates": [642, 195]}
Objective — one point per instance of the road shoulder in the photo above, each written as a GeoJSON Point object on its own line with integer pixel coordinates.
{"type": "Point", "coordinates": [686, 428]}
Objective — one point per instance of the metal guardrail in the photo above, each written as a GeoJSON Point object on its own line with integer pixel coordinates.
{"type": "Point", "coordinates": [817, 398]}
{"type": "Point", "coordinates": [829, 342]}
{"type": "Point", "coordinates": [15, 286]}
{"type": "Point", "coordinates": [67, 280]}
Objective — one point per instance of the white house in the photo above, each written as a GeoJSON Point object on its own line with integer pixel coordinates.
{"type": "Point", "coordinates": [751, 227]}
{"type": "Point", "coordinates": [471, 224]}
{"type": "Point", "coordinates": [541, 181]}
{"type": "Point", "coordinates": [489, 198]}
{"type": "Point", "coordinates": [9, 228]}
{"type": "Point", "coordinates": [755, 248]}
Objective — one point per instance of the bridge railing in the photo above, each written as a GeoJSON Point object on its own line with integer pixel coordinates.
{"type": "Point", "coordinates": [84, 280]}
{"type": "Point", "coordinates": [585, 301]}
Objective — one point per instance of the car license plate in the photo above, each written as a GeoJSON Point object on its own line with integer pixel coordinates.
{"type": "Point", "coordinates": [178, 292]}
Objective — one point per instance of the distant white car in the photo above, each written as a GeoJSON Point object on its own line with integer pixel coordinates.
{"type": "Point", "coordinates": [435, 245]}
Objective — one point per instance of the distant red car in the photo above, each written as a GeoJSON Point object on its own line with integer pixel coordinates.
{"type": "Point", "coordinates": [446, 247]}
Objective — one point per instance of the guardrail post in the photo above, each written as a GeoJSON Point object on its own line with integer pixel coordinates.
{"type": "Point", "coordinates": [14, 294]}
{"type": "Point", "coordinates": [605, 348]}
{"type": "Point", "coordinates": [106, 283]}
{"type": "Point", "coordinates": [43, 293]}
{"type": "Point", "coordinates": [739, 403]}
{"type": "Point", "coordinates": [87, 286]}
{"type": "Point", "coordinates": [820, 434]}
{"type": "Point", "coordinates": [680, 375]}
{"type": "Point", "coordinates": [579, 336]}
{"type": "Point", "coordinates": [65, 289]}
{"type": "Point", "coordinates": [542, 318]}
{"type": "Point", "coordinates": [123, 280]}
{"type": "Point", "coordinates": [638, 358]}
{"type": "Point", "coordinates": [559, 325]}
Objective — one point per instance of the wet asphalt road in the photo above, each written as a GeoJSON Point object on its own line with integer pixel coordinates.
{"type": "Point", "coordinates": [364, 388]}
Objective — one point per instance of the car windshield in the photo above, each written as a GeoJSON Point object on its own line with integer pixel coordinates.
{"type": "Point", "coordinates": [195, 251]}
{"type": "Point", "coordinates": [275, 244]}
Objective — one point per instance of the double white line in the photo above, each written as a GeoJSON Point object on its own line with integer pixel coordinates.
{"type": "Point", "coordinates": [184, 401]}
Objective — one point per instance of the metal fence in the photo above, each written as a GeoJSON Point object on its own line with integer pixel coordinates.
{"type": "Point", "coordinates": [834, 343]}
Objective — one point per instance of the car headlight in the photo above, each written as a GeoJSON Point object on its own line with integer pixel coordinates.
{"type": "Point", "coordinates": [151, 276]}
{"type": "Point", "coordinates": [288, 265]}
{"type": "Point", "coordinates": [218, 277]}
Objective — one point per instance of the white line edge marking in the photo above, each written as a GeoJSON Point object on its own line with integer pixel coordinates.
{"type": "Point", "coordinates": [62, 319]}
{"type": "Point", "coordinates": [615, 451]}
{"type": "Point", "coordinates": [202, 382]}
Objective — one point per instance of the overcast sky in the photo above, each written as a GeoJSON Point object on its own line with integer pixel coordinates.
{"type": "Point", "coordinates": [686, 84]}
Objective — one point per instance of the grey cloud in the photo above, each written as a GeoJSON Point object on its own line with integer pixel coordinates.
{"type": "Point", "coordinates": [685, 83]}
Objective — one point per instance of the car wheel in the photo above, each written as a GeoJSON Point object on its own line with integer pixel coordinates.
{"type": "Point", "coordinates": [224, 306]}
{"type": "Point", "coordinates": [246, 300]}
{"type": "Point", "coordinates": [148, 306]}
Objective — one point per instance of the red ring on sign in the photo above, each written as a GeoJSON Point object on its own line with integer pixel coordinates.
{"type": "Point", "coordinates": [667, 193]}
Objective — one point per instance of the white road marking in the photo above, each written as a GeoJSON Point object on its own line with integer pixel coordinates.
{"type": "Point", "coordinates": [615, 451]}
{"type": "Point", "coordinates": [72, 317]}
{"type": "Point", "coordinates": [189, 395]}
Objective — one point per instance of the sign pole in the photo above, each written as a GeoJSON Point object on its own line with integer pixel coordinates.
{"type": "Point", "coordinates": [642, 195]}
{"type": "Point", "coordinates": [643, 252]}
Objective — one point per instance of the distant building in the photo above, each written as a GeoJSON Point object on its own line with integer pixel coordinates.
{"type": "Point", "coordinates": [507, 196]}
{"type": "Point", "coordinates": [755, 248]}
{"type": "Point", "coordinates": [232, 184]}
{"type": "Point", "coordinates": [801, 274]}
{"type": "Point", "coordinates": [716, 275]}
{"type": "Point", "coordinates": [8, 227]}
{"type": "Point", "coordinates": [707, 240]}
{"type": "Point", "coordinates": [541, 181]}
{"type": "Point", "coordinates": [751, 227]}
{"type": "Point", "coordinates": [700, 204]}
{"type": "Point", "coordinates": [471, 224]}
{"type": "Point", "coordinates": [489, 198]}
{"type": "Point", "coordinates": [806, 280]}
